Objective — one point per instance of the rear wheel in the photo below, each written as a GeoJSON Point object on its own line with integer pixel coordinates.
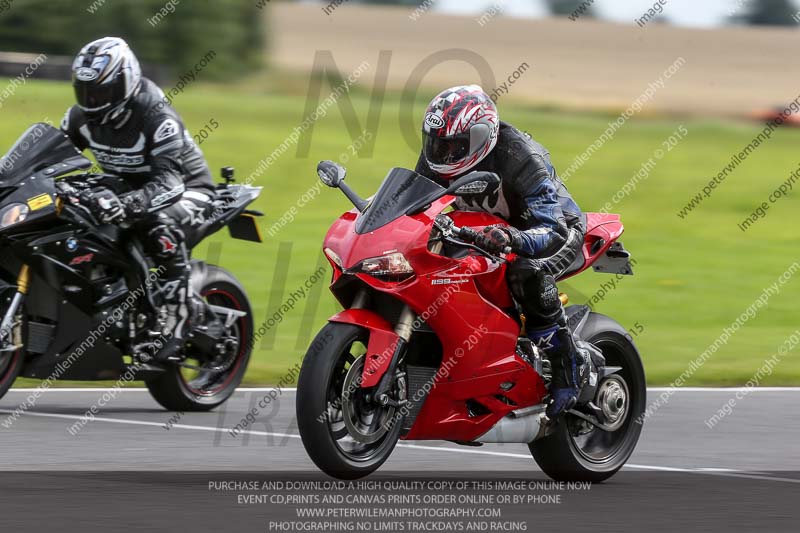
{"type": "Point", "coordinates": [579, 451]}
{"type": "Point", "coordinates": [345, 434]}
{"type": "Point", "coordinates": [210, 384]}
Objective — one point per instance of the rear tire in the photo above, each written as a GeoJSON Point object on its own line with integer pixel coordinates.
{"type": "Point", "coordinates": [173, 390]}
{"type": "Point", "coordinates": [595, 457]}
{"type": "Point", "coordinates": [319, 387]}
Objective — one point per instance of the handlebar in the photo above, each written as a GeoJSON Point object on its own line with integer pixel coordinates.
{"type": "Point", "coordinates": [72, 196]}
{"type": "Point", "coordinates": [467, 235]}
{"type": "Point", "coordinates": [470, 235]}
{"type": "Point", "coordinates": [76, 185]}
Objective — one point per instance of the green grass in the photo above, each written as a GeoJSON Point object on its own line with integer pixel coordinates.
{"type": "Point", "coordinates": [693, 277]}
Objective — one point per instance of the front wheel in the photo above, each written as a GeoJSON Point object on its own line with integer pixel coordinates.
{"type": "Point", "coordinates": [200, 389]}
{"type": "Point", "coordinates": [11, 362]}
{"type": "Point", "coordinates": [579, 451]}
{"type": "Point", "coordinates": [345, 434]}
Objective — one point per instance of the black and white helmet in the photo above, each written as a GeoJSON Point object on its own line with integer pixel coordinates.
{"type": "Point", "coordinates": [105, 75]}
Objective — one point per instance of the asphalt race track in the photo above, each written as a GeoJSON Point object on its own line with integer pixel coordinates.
{"type": "Point", "coordinates": [762, 434]}
{"type": "Point", "coordinates": [741, 474]}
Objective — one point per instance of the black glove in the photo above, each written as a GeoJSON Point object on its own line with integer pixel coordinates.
{"type": "Point", "coordinates": [134, 203]}
{"type": "Point", "coordinates": [494, 239]}
{"type": "Point", "coordinates": [106, 206]}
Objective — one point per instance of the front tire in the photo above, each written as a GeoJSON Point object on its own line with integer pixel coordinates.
{"type": "Point", "coordinates": [11, 363]}
{"type": "Point", "coordinates": [179, 390]}
{"type": "Point", "coordinates": [572, 453]}
{"type": "Point", "coordinates": [327, 418]}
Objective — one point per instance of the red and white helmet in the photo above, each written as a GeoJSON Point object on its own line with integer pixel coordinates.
{"type": "Point", "coordinates": [459, 130]}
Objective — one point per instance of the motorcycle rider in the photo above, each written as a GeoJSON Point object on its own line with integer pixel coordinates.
{"type": "Point", "coordinates": [462, 133]}
{"type": "Point", "coordinates": [127, 123]}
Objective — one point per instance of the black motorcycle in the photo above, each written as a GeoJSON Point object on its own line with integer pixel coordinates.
{"type": "Point", "coordinates": [79, 300]}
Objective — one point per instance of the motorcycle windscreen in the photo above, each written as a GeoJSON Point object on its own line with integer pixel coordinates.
{"type": "Point", "coordinates": [400, 191]}
{"type": "Point", "coordinates": [41, 146]}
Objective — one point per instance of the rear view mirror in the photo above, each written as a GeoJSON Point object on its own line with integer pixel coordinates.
{"type": "Point", "coordinates": [332, 174]}
{"type": "Point", "coordinates": [477, 182]}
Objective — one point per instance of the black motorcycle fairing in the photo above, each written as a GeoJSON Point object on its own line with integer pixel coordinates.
{"type": "Point", "coordinates": [81, 272]}
{"type": "Point", "coordinates": [78, 263]}
{"type": "Point", "coordinates": [9, 267]}
{"type": "Point", "coordinates": [41, 149]}
{"type": "Point", "coordinates": [80, 350]}
{"type": "Point", "coordinates": [80, 302]}
{"type": "Point", "coordinates": [231, 201]}
{"type": "Point", "coordinates": [80, 305]}
{"type": "Point", "coordinates": [577, 316]}
{"type": "Point", "coordinates": [39, 196]}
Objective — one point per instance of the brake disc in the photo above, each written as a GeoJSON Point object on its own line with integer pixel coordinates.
{"type": "Point", "coordinates": [613, 399]}
{"type": "Point", "coordinates": [366, 422]}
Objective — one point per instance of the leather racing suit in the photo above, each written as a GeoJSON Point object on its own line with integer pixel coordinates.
{"type": "Point", "coordinates": [534, 200]}
{"type": "Point", "coordinates": [163, 170]}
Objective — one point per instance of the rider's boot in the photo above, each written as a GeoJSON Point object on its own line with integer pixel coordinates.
{"type": "Point", "coordinates": [566, 362]}
{"type": "Point", "coordinates": [187, 313]}
{"type": "Point", "coordinates": [179, 313]}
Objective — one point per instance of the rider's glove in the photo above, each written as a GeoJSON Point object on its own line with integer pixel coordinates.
{"type": "Point", "coordinates": [135, 205]}
{"type": "Point", "coordinates": [106, 206]}
{"type": "Point", "coordinates": [496, 238]}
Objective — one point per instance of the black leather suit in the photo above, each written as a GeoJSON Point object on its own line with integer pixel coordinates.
{"type": "Point", "coordinates": [156, 157]}
{"type": "Point", "coordinates": [534, 200]}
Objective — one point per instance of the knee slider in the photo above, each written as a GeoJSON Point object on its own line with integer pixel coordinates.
{"type": "Point", "coordinates": [165, 242]}
{"type": "Point", "coordinates": [521, 274]}
{"type": "Point", "coordinates": [535, 288]}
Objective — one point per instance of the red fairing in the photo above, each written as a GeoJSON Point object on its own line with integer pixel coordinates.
{"type": "Point", "coordinates": [467, 304]}
{"type": "Point", "coordinates": [601, 232]}
{"type": "Point", "coordinates": [382, 342]}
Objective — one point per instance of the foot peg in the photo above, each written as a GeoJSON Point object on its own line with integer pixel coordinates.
{"type": "Point", "coordinates": [561, 401]}
{"type": "Point", "coordinates": [170, 352]}
{"type": "Point", "coordinates": [528, 352]}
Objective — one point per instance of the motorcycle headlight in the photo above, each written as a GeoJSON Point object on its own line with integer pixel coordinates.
{"type": "Point", "coordinates": [333, 256]}
{"type": "Point", "coordinates": [389, 267]}
{"type": "Point", "coordinates": [13, 214]}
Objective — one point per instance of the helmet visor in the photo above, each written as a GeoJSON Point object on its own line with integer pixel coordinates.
{"type": "Point", "coordinates": [95, 98]}
{"type": "Point", "coordinates": [446, 150]}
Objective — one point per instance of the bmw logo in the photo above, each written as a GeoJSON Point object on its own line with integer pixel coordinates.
{"type": "Point", "coordinates": [72, 244]}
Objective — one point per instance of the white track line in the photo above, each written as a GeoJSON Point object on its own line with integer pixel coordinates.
{"type": "Point", "coordinates": [267, 389]}
{"type": "Point", "coordinates": [707, 471]}
{"type": "Point", "coordinates": [724, 389]}
{"type": "Point", "coordinates": [147, 423]}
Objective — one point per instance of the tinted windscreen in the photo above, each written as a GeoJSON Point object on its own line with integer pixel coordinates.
{"type": "Point", "coordinates": [401, 189]}
{"type": "Point", "coordinates": [39, 147]}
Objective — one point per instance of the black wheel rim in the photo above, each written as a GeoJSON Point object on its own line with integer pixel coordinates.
{"type": "Point", "coordinates": [595, 445]}
{"type": "Point", "coordinates": [9, 359]}
{"type": "Point", "coordinates": [209, 383]}
{"type": "Point", "coordinates": [337, 405]}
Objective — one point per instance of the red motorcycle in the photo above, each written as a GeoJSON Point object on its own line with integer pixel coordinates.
{"type": "Point", "coordinates": [430, 344]}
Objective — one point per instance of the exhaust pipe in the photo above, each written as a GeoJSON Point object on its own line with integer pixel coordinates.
{"type": "Point", "coordinates": [520, 426]}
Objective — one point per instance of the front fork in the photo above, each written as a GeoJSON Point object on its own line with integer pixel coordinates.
{"type": "Point", "coordinates": [403, 329]}
{"type": "Point", "coordinates": [8, 342]}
